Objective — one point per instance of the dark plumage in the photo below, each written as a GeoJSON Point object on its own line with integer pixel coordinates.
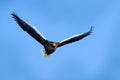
{"type": "Point", "coordinates": [49, 46]}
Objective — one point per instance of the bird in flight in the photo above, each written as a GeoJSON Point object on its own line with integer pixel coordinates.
{"type": "Point", "coordinates": [49, 46]}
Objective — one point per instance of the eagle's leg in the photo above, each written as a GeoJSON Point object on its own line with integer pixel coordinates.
{"type": "Point", "coordinates": [44, 53]}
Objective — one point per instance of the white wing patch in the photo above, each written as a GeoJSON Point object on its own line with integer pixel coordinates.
{"type": "Point", "coordinates": [71, 37]}
{"type": "Point", "coordinates": [33, 27]}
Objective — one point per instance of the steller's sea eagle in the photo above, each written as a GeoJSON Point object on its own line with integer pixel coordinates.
{"type": "Point", "coordinates": [49, 46]}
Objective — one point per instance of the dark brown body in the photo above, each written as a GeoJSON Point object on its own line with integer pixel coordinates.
{"type": "Point", "coordinates": [50, 47]}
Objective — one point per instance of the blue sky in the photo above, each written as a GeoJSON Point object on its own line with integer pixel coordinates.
{"type": "Point", "coordinates": [96, 57]}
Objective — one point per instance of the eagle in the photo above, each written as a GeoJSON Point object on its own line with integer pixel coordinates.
{"type": "Point", "coordinates": [49, 46]}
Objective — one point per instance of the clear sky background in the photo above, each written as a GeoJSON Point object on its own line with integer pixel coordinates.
{"type": "Point", "coordinates": [96, 57]}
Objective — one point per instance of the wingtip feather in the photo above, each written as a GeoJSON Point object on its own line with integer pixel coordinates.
{"type": "Point", "coordinates": [91, 29]}
{"type": "Point", "coordinates": [14, 15]}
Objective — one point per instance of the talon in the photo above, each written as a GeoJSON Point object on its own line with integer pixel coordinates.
{"type": "Point", "coordinates": [46, 55]}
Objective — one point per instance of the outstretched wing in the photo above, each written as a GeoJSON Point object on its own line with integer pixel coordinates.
{"type": "Point", "coordinates": [31, 30]}
{"type": "Point", "coordinates": [75, 38]}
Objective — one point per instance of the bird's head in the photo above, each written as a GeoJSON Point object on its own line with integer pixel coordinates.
{"type": "Point", "coordinates": [54, 45]}
{"type": "Point", "coordinates": [50, 48]}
